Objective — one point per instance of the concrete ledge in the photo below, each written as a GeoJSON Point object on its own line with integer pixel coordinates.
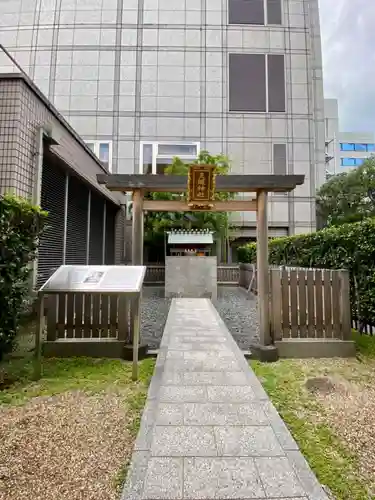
{"type": "Point", "coordinates": [264, 353]}
{"type": "Point", "coordinates": [90, 348]}
{"type": "Point", "coordinates": [315, 348]}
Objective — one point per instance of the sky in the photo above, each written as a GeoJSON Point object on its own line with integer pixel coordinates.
{"type": "Point", "coordinates": [348, 44]}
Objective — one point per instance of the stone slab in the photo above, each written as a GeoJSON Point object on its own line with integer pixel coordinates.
{"type": "Point", "coordinates": [191, 277]}
{"type": "Point", "coordinates": [316, 348]}
{"type": "Point", "coordinates": [209, 430]}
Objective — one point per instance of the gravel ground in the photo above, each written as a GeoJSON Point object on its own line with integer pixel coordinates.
{"type": "Point", "coordinates": [65, 447]}
{"type": "Point", "coordinates": [236, 308]}
{"type": "Point", "coordinates": [350, 408]}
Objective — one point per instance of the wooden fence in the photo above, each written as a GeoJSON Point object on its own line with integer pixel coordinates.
{"type": "Point", "coordinates": [229, 275]}
{"type": "Point", "coordinates": [305, 303]}
{"type": "Point", "coordinates": [78, 316]}
{"type": "Point", "coordinates": [309, 303]}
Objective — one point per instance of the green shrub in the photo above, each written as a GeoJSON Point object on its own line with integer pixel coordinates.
{"type": "Point", "coordinates": [350, 246]}
{"type": "Point", "coordinates": [20, 226]}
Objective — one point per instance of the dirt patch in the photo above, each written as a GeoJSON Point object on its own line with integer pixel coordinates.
{"type": "Point", "coordinates": [321, 385]}
{"type": "Point", "coordinates": [65, 447]}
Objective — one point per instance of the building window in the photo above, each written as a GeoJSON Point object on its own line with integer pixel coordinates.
{"type": "Point", "coordinates": [360, 147]}
{"type": "Point", "coordinates": [155, 156]}
{"type": "Point", "coordinates": [279, 159]}
{"type": "Point", "coordinates": [256, 83]}
{"type": "Point", "coordinates": [259, 12]}
{"type": "Point", "coordinates": [352, 162]}
{"type": "Point", "coordinates": [103, 150]}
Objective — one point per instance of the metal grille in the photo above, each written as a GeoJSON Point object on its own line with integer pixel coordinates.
{"type": "Point", "coordinates": [77, 223]}
{"type": "Point", "coordinates": [96, 230]}
{"type": "Point", "coordinates": [50, 254]}
{"type": "Point", "coordinates": [110, 234]}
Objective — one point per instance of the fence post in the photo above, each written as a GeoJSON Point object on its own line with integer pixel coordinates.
{"type": "Point", "coordinates": [275, 305]}
{"type": "Point", "coordinates": [345, 311]}
{"type": "Point", "coordinates": [262, 265]}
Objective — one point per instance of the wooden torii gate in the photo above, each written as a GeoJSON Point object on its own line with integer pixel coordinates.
{"type": "Point", "coordinates": [261, 185]}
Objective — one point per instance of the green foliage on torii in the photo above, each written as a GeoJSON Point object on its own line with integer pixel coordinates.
{"type": "Point", "coordinates": [156, 223]}
{"type": "Point", "coordinates": [346, 197]}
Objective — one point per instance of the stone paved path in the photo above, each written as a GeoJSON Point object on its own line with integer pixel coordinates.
{"type": "Point", "coordinates": [209, 431]}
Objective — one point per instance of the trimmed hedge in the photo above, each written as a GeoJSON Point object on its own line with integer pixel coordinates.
{"type": "Point", "coordinates": [21, 224]}
{"type": "Point", "coordinates": [350, 246]}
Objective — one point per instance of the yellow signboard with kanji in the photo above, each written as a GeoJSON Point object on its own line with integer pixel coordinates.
{"type": "Point", "coordinates": [201, 186]}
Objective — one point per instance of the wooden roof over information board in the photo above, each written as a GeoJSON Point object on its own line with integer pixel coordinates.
{"type": "Point", "coordinates": [178, 183]}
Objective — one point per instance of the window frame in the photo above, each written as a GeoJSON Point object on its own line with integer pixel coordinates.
{"type": "Point", "coordinates": [96, 150]}
{"type": "Point", "coordinates": [266, 82]}
{"type": "Point", "coordinates": [265, 10]}
{"type": "Point", "coordinates": [155, 153]}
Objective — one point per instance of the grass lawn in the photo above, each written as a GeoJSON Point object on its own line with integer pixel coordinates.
{"type": "Point", "coordinates": [69, 435]}
{"type": "Point", "coordinates": [329, 406]}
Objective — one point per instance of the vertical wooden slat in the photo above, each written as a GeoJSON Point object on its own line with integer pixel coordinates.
{"type": "Point", "coordinates": [78, 309]}
{"type": "Point", "coordinates": [336, 304]}
{"type": "Point", "coordinates": [113, 315]}
{"type": "Point", "coordinates": [327, 286]}
{"type": "Point", "coordinates": [69, 314]}
{"type": "Point", "coordinates": [345, 306]}
{"type": "Point", "coordinates": [87, 315]}
{"type": "Point", "coordinates": [123, 319]}
{"type": "Point", "coordinates": [293, 303]}
{"type": "Point", "coordinates": [61, 316]}
{"type": "Point", "coordinates": [285, 302]}
{"type": "Point", "coordinates": [104, 316]}
{"type": "Point", "coordinates": [310, 303]}
{"type": "Point", "coordinates": [302, 303]}
{"type": "Point", "coordinates": [276, 304]}
{"type": "Point", "coordinates": [51, 317]}
{"type": "Point", "coordinates": [319, 303]}
{"type": "Point", "coordinates": [96, 301]}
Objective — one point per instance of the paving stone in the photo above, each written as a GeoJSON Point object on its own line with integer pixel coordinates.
{"type": "Point", "coordinates": [164, 479]}
{"type": "Point", "coordinates": [215, 378]}
{"type": "Point", "coordinates": [170, 414]}
{"type": "Point", "coordinates": [247, 441]}
{"type": "Point", "coordinates": [278, 477]}
{"type": "Point", "coordinates": [230, 394]}
{"type": "Point", "coordinates": [223, 414]}
{"type": "Point", "coordinates": [183, 441]}
{"type": "Point", "coordinates": [224, 478]}
{"type": "Point", "coordinates": [172, 378]}
{"type": "Point", "coordinates": [133, 487]}
{"type": "Point", "coordinates": [182, 394]}
{"type": "Point", "coordinates": [211, 364]}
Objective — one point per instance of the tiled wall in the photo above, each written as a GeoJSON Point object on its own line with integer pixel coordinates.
{"type": "Point", "coordinates": [22, 112]}
{"type": "Point", "coordinates": [156, 70]}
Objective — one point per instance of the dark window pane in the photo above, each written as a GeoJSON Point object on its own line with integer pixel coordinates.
{"type": "Point", "coordinates": [247, 82]}
{"type": "Point", "coordinates": [276, 83]}
{"type": "Point", "coordinates": [360, 147]}
{"type": "Point", "coordinates": [274, 14]}
{"type": "Point", "coordinates": [246, 11]}
{"type": "Point", "coordinates": [279, 159]}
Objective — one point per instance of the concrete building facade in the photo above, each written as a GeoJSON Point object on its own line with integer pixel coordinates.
{"type": "Point", "coordinates": [144, 80]}
{"type": "Point", "coordinates": [344, 150]}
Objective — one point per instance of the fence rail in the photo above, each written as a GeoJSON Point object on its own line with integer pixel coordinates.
{"type": "Point", "coordinates": [225, 275]}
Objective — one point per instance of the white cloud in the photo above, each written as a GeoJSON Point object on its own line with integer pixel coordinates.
{"type": "Point", "coordinates": [348, 40]}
